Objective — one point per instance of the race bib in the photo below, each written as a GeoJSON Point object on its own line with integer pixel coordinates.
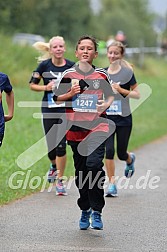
{"type": "Point", "coordinates": [51, 102]}
{"type": "Point", "coordinates": [115, 108]}
{"type": "Point", "coordinates": [85, 102]}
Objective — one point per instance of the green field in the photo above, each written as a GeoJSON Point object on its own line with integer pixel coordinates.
{"type": "Point", "coordinates": [24, 132]}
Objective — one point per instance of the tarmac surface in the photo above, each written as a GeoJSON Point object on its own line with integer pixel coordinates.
{"type": "Point", "coordinates": [135, 221]}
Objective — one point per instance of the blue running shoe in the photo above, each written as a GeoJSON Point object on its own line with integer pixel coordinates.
{"type": "Point", "coordinates": [96, 221]}
{"type": "Point", "coordinates": [52, 174]}
{"type": "Point", "coordinates": [112, 191]}
{"type": "Point", "coordinates": [130, 169]}
{"type": "Point", "coordinates": [60, 189]}
{"type": "Point", "coordinates": [84, 222]}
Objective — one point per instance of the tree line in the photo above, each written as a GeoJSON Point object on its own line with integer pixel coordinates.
{"type": "Point", "coordinates": [73, 18]}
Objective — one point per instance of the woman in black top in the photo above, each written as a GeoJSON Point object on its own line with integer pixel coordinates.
{"type": "Point", "coordinates": [52, 64]}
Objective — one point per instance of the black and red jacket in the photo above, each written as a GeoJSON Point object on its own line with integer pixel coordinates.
{"type": "Point", "coordinates": [95, 85]}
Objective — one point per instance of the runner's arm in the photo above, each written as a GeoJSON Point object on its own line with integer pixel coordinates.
{"type": "Point", "coordinates": [10, 105]}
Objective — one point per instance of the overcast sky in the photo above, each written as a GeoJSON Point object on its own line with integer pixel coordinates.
{"type": "Point", "coordinates": [159, 6]}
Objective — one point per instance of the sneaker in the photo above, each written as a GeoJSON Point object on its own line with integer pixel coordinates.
{"type": "Point", "coordinates": [130, 169]}
{"type": "Point", "coordinates": [52, 174]}
{"type": "Point", "coordinates": [84, 222]}
{"type": "Point", "coordinates": [60, 189]}
{"type": "Point", "coordinates": [96, 221]}
{"type": "Point", "coordinates": [112, 191]}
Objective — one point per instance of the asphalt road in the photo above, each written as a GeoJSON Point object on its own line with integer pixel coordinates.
{"type": "Point", "coordinates": [136, 221]}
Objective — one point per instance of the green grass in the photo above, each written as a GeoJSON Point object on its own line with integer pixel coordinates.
{"type": "Point", "coordinates": [24, 131]}
{"type": "Point", "coordinates": [150, 119]}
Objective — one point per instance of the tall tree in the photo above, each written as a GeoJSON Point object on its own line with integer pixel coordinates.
{"type": "Point", "coordinates": [46, 17]}
{"type": "Point", "coordinates": [132, 17]}
{"type": "Point", "coordinates": [68, 18]}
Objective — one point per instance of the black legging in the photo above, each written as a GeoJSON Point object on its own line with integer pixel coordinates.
{"type": "Point", "coordinates": [122, 137]}
{"type": "Point", "coordinates": [54, 129]}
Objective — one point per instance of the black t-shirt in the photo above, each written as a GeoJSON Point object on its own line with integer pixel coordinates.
{"type": "Point", "coordinates": [48, 71]}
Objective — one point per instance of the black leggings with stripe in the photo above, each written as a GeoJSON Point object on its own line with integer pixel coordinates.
{"type": "Point", "coordinates": [122, 135]}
